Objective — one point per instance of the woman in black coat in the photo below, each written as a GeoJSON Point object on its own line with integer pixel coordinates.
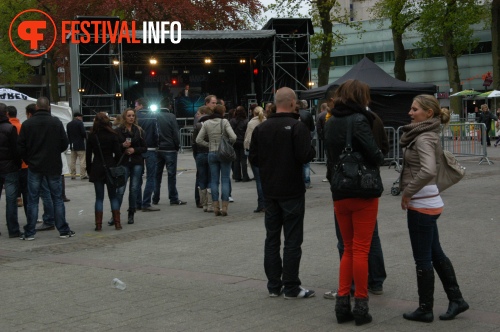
{"type": "Point", "coordinates": [103, 134]}
{"type": "Point", "coordinates": [239, 124]}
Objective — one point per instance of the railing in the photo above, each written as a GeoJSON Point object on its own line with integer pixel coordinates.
{"type": "Point", "coordinates": [462, 139]}
{"type": "Point", "coordinates": [185, 138]}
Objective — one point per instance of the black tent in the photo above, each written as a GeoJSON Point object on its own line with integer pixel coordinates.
{"type": "Point", "coordinates": [391, 98]}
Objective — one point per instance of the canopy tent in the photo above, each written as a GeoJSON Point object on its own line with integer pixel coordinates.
{"type": "Point", "coordinates": [14, 98]}
{"type": "Point", "coordinates": [391, 98]}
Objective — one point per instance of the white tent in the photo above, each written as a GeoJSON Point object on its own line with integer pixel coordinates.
{"type": "Point", "coordinates": [20, 101]}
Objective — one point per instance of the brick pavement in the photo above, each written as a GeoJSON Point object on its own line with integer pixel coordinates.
{"type": "Point", "coordinates": [187, 270]}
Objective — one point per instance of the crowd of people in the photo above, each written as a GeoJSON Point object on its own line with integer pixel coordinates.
{"type": "Point", "coordinates": [144, 141]}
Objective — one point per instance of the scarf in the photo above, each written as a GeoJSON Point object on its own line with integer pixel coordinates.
{"type": "Point", "coordinates": [412, 130]}
{"type": "Point", "coordinates": [350, 108]}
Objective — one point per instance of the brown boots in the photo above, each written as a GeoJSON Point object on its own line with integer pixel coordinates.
{"type": "Point", "coordinates": [98, 221]}
{"type": "Point", "coordinates": [224, 208]}
{"type": "Point", "coordinates": [116, 219]}
{"type": "Point", "coordinates": [215, 205]}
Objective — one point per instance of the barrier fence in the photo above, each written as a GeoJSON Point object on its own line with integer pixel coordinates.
{"type": "Point", "coordinates": [463, 139]}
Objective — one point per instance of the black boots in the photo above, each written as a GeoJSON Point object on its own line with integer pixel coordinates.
{"type": "Point", "coordinates": [457, 304]}
{"type": "Point", "coordinates": [343, 309]}
{"type": "Point", "coordinates": [360, 311]}
{"type": "Point", "coordinates": [131, 216]}
{"type": "Point", "coordinates": [425, 283]}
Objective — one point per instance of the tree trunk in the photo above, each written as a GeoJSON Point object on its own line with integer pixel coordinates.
{"type": "Point", "coordinates": [326, 43]}
{"type": "Point", "coordinates": [399, 55]}
{"type": "Point", "coordinates": [495, 43]}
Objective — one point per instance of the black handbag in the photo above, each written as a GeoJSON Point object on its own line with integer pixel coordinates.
{"type": "Point", "coordinates": [352, 176]}
{"type": "Point", "coordinates": [225, 152]}
{"type": "Point", "coordinates": [115, 176]}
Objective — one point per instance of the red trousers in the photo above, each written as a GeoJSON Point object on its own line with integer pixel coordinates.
{"type": "Point", "coordinates": [356, 218]}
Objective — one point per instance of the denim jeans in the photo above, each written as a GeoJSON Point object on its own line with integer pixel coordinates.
{"type": "Point", "coordinates": [424, 238]}
{"type": "Point", "coordinates": [23, 189]}
{"type": "Point", "coordinates": [151, 163]}
{"type": "Point", "coordinates": [11, 183]}
{"type": "Point", "coordinates": [219, 171]}
{"type": "Point", "coordinates": [168, 160]}
{"type": "Point", "coordinates": [289, 216]}
{"type": "Point", "coordinates": [54, 183]}
{"type": "Point", "coordinates": [258, 183]}
{"type": "Point", "coordinates": [48, 216]}
{"type": "Point", "coordinates": [135, 174]}
{"type": "Point", "coordinates": [203, 170]}
{"type": "Point", "coordinates": [307, 173]}
{"type": "Point", "coordinates": [376, 265]}
{"type": "Point", "coordinates": [99, 196]}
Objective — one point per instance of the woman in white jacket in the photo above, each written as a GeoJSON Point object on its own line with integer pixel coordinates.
{"type": "Point", "coordinates": [213, 129]}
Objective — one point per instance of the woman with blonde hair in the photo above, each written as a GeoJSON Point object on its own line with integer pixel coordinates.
{"type": "Point", "coordinates": [422, 201]}
{"type": "Point", "coordinates": [258, 118]}
{"type": "Point", "coordinates": [131, 137]}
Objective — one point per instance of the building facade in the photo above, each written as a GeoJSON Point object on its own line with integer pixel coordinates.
{"type": "Point", "coordinates": [421, 65]}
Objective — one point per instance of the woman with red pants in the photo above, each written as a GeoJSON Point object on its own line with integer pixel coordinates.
{"type": "Point", "coordinates": [356, 215]}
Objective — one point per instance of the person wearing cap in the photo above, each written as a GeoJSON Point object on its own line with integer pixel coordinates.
{"type": "Point", "coordinates": [77, 136]}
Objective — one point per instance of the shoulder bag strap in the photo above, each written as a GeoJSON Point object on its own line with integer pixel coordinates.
{"type": "Point", "coordinates": [348, 139]}
{"type": "Point", "coordinates": [100, 151]}
{"type": "Point", "coordinates": [102, 156]}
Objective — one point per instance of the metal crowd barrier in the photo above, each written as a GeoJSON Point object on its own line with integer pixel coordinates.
{"type": "Point", "coordinates": [185, 138]}
{"type": "Point", "coordinates": [466, 139]}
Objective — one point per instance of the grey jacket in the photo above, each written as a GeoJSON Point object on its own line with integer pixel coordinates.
{"type": "Point", "coordinates": [420, 163]}
{"type": "Point", "coordinates": [212, 129]}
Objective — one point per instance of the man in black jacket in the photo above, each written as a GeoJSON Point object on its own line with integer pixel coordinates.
{"type": "Point", "coordinates": [279, 147]}
{"type": "Point", "coordinates": [169, 144]}
{"type": "Point", "coordinates": [76, 136]}
{"type": "Point", "coordinates": [148, 122]}
{"type": "Point", "coordinates": [41, 141]}
{"type": "Point", "coordinates": [10, 164]}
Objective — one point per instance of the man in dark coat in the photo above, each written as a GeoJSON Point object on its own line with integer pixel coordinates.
{"type": "Point", "coordinates": [10, 164]}
{"type": "Point", "coordinates": [280, 147]}
{"type": "Point", "coordinates": [41, 141]}
{"type": "Point", "coordinates": [77, 136]}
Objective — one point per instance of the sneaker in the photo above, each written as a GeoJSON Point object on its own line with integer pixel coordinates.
{"type": "Point", "coordinates": [179, 202]}
{"type": "Point", "coordinates": [231, 200]}
{"type": "Point", "coordinates": [26, 238]}
{"type": "Point", "coordinates": [324, 180]}
{"type": "Point", "coordinates": [308, 186]}
{"type": "Point", "coordinates": [67, 235]}
{"type": "Point", "coordinates": [150, 209]}
{"type": "Point", "coordinates": [376, 291]}
{"type": "Point", "coordinates": [85, 177]}
{"type": "Point", "coordinates": [39, 221]}
{"type": "Point", "coordinates": [276, 293]}
{"type": "Point", "coordinates": [15, 235]}
{"type": "Point", "coordinates": [303, 294]}
{"type": "Point", "coordinates": [73, 177]}
{"type": "Point", "coordinates": [45, 227]}
{"type": "Point", "coordinates": [331, 295]}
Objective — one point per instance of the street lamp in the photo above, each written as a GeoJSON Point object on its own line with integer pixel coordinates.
{"type": "Point", "coordinates": [37, 62]}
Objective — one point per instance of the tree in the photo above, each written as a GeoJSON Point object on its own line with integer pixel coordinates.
{"type": "Point", "coordinates": [495, 42]}
{"type": "Point", "coordinates": [323, 13]}
{"type": "Point", "coordinates": [13, 66]}
{"type": "Point", "coordinates": [402, 15]}
{"type": "Point", "coordinates": [445, 27]}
